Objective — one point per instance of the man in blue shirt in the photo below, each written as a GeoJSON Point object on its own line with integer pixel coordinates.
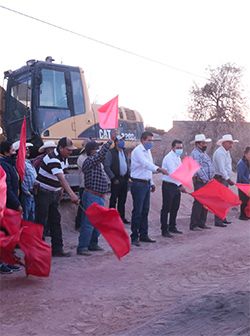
{"type": "Point", "coordinates": [243, 176]}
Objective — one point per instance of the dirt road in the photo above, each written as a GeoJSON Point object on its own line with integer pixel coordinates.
{"type": "Point", "coordinates": [195, 284]}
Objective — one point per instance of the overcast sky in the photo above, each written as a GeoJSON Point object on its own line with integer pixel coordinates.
{"type": "Point", "coordinates": [186, 34]}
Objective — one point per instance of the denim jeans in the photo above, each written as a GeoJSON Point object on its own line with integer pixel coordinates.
{"type": "Point", "coordinates": [88, 234]}
{"type": "Point", "coordinates": [141, 200]}
{"type": "Point", "coordinates": [28, 204]}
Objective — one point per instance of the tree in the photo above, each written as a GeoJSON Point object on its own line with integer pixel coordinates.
{"type": "Point", "coordinates": [221, 98]}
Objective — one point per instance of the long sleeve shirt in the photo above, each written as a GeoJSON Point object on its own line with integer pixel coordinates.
{"type": "Point", "coordinates": [29, 177]}
{"type": "Point", "coordinates": [142, 165]}
{"type": "Point", "coordinates": [206, 172]}
{"type": "Point", "coordinates": [94, 175]}
{"type": "Point", "coordinates": [243, 172]}
{"type": "Point", "coordinates": [222, 163]}
{"type": "Point", "coordinates": [171, 162]}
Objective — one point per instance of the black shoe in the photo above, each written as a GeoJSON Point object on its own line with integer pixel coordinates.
{"type": "Point", "coordinates": [95, 248]}
{"type": "Point", "coordinates": [14, 268]}
{"type": "Point", "coordinates": [226, 222]}
{"type": "Point", "coordinates": [175, 231]}
{"type": "Point", "coordinates": [195, 229]}
{"type": "Point", "coordinates": [4, 269]}
{"type": "Point", "coordinates": [204, 227]}
{"type": "Point", "coordinates": [125, 221]}
{"type": "Point", "coordinates": [61, 254]}
{"type": "Point", "coordinates": [243, 218]}
{"type": "Point", "coordinates": [220, 225]}
{"type": "Point", "coordinates": [167, 235]}
{"type": "Point", "coordinates": [146, 239]}
{"type": "Point", "coordinates": [135, 243]}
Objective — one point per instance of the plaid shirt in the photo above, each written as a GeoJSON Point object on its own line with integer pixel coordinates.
{"type": "Point", "coordinates": [94, 175]}
{"type": "Point", "coordinates": [206, 172]}
{"type": "Point", "coordinates": [29, 177]}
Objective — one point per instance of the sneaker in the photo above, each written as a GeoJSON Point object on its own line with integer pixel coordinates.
{"type": "Point", "coordinates": [84, 252]}
{"type": "Point", "coordinates": [174, 230]}
{"type": "Point", "coordinates": [95, 248]}
{"type": "Point", "coordinates": [4, 269]}
{"type": "Point", "coordinates": [14, 268]}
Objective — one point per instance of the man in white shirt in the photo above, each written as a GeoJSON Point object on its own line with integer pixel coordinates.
{"type": "Point", "coordinates": [171, 190]}
{"type": "Point", "coordinates": [142, 167]}
{"type": "Point", "coordinates": [223, 167]}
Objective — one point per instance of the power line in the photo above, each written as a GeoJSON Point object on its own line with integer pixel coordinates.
{"type": "Point", "coordinates": [129, 52]}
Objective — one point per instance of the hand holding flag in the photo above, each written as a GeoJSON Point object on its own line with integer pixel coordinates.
{"type": "Point", "coordinates": [186, 171]}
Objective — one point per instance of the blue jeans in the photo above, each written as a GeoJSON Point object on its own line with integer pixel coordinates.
{"type": "Point", "coordinates": [88, 234]}
{"type": "Point", "coordinates": [28, 205]}
{"type": "Point", "coordinates": [141, 199]}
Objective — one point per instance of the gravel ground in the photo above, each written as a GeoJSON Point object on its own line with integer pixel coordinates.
{"type": "Point", "coordinates": [195, 284]}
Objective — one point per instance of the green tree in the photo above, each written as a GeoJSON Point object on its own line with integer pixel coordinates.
{"type": "Point", "coordinates": [221, 98]}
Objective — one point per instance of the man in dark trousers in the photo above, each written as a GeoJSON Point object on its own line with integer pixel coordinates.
{"type": "Point", "coordinates": [116, 167]}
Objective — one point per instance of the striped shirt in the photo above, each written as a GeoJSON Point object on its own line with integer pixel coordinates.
{"type": "Point", "coordinates": [52, 164]}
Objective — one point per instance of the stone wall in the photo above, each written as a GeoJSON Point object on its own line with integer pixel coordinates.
{"type": "Point", "coordinates": [186, 130]}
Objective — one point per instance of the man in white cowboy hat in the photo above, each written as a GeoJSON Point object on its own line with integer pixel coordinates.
{"type": "Point", "coordinates": [203, 175]}
{"type": "Point", "coordinates": [26, 197]}
{"type": "Point", "coordinates": [45, 149]}
{"type": "Point", "coordinates": [223, 167]}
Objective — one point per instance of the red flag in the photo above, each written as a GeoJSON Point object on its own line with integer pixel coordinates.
{"type": "Point", "coordinates": [11, 221]}
{"type": "Point", "coordinates": [37, 252]}
{"type": "Point", "coordinates": [216, 198]}
{"type": "Point", "coordinates": [3, 190]}
{"type": "Point", "coordinates": [108, 114]}
{"type": "Point", "coordinates": [20, 162]}
{"type": "Point", "coordinates": [186, 171]}
{"type": "Point", "coordinates": [247, 209]}
{"type": "Point", "coordinates": [245, 188]}
{"type": "Point", "coordinates": [110, 225]}
{"type": "Point", "coordinates": [7, 246]}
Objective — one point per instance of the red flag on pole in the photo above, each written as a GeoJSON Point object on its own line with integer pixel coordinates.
{"type": "Point", "coordinates": [3, 190]}
{"type": "Point", "coordinates": [110, 225]}
{"type": "Point", "coordinates": [20, 163]}
{"type": "Point", "coordinates": [37, 252]}
{"type": "Point", "coordinates": [245, 188]}
{"type": "Point", "coordinates": [216, 198]}
{"type": "Point", "coordinates": [247, 209]}
{"type": "Point", "coordinates": [186, 171]}
{"type": "Point", "coordinates": [108, 114]}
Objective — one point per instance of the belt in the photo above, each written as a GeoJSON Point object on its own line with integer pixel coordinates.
{"type": "Point", "coordinates": [46, 190]}
{"type": "Point", "coordinates": [94, 193]}
{"type": "Point", "coordinates": [140, 180]}
{"type": "Point", "coordinates": [171, 183]}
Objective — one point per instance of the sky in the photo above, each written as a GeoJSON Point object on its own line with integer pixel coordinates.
{"type": "Point", "coordinates": [186, 35]}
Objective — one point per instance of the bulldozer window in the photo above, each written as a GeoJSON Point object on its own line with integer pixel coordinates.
{"type": "Point", "coordinates": [53, 89]}
{"type": "Point", "coordinates": [78, 98]}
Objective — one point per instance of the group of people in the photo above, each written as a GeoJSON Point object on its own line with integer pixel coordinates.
{"type": "Point", "coordinates": [106, 168]}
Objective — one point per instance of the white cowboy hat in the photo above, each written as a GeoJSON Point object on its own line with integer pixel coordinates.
{"type": "Point", "coordinates": [16, 145]}
{"type": "Point", "coordinates": [47, 144]}
{"type": "Point", "coordinates": [226, 137]}
{"type": "Point", "coordinates": [199, 138]}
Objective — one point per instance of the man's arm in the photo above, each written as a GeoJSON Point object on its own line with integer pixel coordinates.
{"type": "Point", "coordinates": [64, 183]}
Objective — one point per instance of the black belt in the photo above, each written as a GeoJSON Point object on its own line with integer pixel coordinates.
{"type": "Point", "coordinates": [140, 180]}
{"type": "Point", "coordinates": [218, 177]}
{"type": "Point", "coordinates": [171, 183]}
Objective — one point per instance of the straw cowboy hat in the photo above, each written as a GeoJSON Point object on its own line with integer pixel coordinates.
{"type": "Point", "coordinates": [47, 144]}
{"type": "Point", "coordinates": [16, 145]}
{"type": "Point", "coordinates": [226, 137]}
{"type": "Point", "coordinates": [199, 138]}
